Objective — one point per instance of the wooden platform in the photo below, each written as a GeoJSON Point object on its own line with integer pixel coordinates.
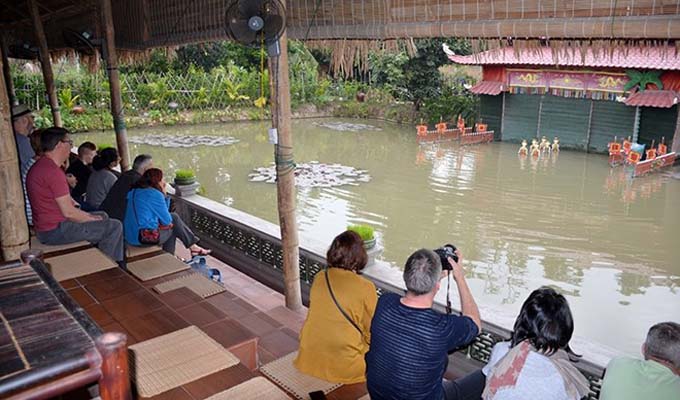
{"type": "Point", "coordinates": [248, 319]}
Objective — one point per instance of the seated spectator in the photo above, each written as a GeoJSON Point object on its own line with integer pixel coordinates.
{"type": "Point", "coordinates": [103, 177]}
{"type": "Point", "coordinates": [657, 377]}
{"type": "Point", "coordinates": [535, 364]}
{"type": "Point", "coordinates": [35, 144]}
{"type": "Point", "coordinates": [81, 168]}
{"type": "Point", "coordinates": [410, 341]}
{"type": "Point", "coordinates": [148, 208]}
{"type": "Point", "coordinates": [331, 347]}
{"type": "Point", "coordinates": [22, 123]}
{"type": "Point", "coordinates": [56, 218]}
{"type": "Point", "coordinates": [115, 202]}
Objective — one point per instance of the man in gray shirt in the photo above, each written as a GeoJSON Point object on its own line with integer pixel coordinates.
{"type": "Point", "coordinates": [22, 122]}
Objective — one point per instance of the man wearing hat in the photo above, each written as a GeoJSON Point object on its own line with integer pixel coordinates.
{"type": "Point", "coordinates": [22, 122]}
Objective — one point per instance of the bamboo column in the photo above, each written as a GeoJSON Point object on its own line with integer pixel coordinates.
{"type": "Point", "coordinates": [13, 225]}
{"type": "Point", "coordinates": [114, 84]}
{"type": "Point", "coordinates": [45, 62]}
{"type": "Point", "coordinates": [6, 71]}
{"type": "Point", "coordinates": [285, 183]}
{"type": "Point", "coordinates": [636, 124]}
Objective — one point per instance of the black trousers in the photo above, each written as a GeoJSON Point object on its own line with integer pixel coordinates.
{"type": "Point", "coordinates": [469, 387]}
{"type": "Point", "coordinates": [179, 231]}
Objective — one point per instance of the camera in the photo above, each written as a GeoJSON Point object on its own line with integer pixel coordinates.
{"type": "Point", "coordinates": [444, 252]}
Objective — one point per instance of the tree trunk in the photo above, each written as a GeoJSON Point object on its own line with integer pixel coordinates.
{"type": "Point", "coordinates": [114, 84]}
{"type": "Point", "coordinates": [285, 184]}
{"type": "Point", "coordinates": [13, 225]}
{"type": "Point", "coordinates": [45, 62]}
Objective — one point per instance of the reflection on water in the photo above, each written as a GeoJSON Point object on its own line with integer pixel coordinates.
{"type": "Point", "coordinates": [567, 220]}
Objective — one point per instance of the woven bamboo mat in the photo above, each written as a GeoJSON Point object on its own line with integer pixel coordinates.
{"type": "Point", "coordinates": [195, 282]}
{"type": "Point", "coordinates": [49, 248]}
{"type": "Point", "coordinates": [155, 267]}
{"type": "Point", "coordinates": [169, 361]}
{"type": "Point", "coordinates": [81, 263]}
{"type": "Point", "coordinates": [255, 388]}
{"type": "Point", "coordinates": [284, 373]}
{"type": "Point", "coordinates": [136, 251]}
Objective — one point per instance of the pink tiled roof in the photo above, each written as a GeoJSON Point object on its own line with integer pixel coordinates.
{"type": "Point", "coordinates": [660, 57]}
{"type": "Point", "coordinates": [653, 98]}
{"type": "Point", "coordinates": [488, 87]}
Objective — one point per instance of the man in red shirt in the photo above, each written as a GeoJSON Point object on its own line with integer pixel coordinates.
{"type": "Point", "coordinates": [56, 218]}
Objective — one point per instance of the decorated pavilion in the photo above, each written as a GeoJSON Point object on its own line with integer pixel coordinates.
{"type": "Point", "coordinates": [585, 96]}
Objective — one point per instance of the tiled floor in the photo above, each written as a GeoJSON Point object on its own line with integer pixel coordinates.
{"type": "Point", "coordinates": [246, 314]}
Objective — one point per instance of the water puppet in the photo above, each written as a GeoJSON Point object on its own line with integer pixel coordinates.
{"type": "Point", "coordinates": [441, 126]}
{"type": "Point", "coordinates": [555, 145]}
{"type": "Point", "coordinates": [615, 153]}
{"type": "Point", "coordinates": [535, 150]}
{"type": "Point", "coordinates": [627, 145]}
{"type": "Point", "coordinates": [523, 151]}
{"type": "Point", "coordinates": [651, 153]}
{"type": "Point", "coordinates": [544, 145]}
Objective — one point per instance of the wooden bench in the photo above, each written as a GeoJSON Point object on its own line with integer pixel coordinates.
{"type": "Point", "coordinates": [50, 346]}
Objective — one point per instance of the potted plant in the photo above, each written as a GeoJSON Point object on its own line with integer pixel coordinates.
{"type": "Point", "coordinates": [185, 182]}
{"type": "Point", "coordinates": [367, 233]}
{"type": "Point", "coordinates": [184, 177]}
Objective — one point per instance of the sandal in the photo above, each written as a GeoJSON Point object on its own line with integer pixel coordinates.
{"type": "Point", "coordinates": [200, 252]}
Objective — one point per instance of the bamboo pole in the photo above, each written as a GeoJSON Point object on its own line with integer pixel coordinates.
{"type": "Point", "coordinates": [45, 62]}
{"type": "Point", "coordinates": [13, 225]}
{"type": "Point", "coordinates": [6, 71]}
{"type": "Point", "coordinates": [114, 85]}
{"type": "Point", "coordinates": [285, 183]}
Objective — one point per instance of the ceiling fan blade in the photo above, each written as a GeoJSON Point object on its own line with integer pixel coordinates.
{"type": "Point", "coordinates": [248, 8]}
{"type": "Point", "coordinates": [242, 31]}
{"type": "Point", "coordinates": [273, 26]}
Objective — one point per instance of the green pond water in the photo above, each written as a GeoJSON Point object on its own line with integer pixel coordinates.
{"type": "Point", "coordinates": [608, 242]}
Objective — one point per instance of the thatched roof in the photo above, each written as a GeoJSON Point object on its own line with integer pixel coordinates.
{"type": "Point", "coordinates": [143, 24]}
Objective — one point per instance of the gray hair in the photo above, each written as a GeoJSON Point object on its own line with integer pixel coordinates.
{"type": "Point", "coordinates": [141, 163]}
{"type": "Point", "coordinates": [422, 271]}
{"type": "Point", "coordinates": [663, 343]}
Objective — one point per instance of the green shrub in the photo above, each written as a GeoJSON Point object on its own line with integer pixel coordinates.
{"type": "Point", "coordinates": [184, 174]}
{"type": "Point", "coordinates": [365, 231]}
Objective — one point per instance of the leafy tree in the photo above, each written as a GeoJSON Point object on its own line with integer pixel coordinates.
{"type": "Point", "coordinates": [423, 80]}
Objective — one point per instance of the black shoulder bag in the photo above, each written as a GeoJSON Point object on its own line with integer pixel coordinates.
{"type": "Point", "coordinates": [344, 314]}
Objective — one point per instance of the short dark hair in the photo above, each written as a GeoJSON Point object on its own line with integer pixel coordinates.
{"type": "Point", "coordinates": [663, 343]}
{"type": "Point", "coordinates": [34, 137]}
{"type": "Point", "coordinates": [347, 252]}
{"type": "Point", "coordinates": [545, 320]}
{"type": "Point", "coordinates": [422, 271]}
{"type": "Point", "coordinates": [50, 138]}
{"type": "Point", "coordinates": [104, 158]}
{"type": "Point", "coordinates": [86, 146]}
{"type": "Point", "coordinates": [140, 161]}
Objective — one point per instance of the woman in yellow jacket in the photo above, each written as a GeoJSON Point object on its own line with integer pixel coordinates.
{"type": "Point", "coordinates": [331, 347]}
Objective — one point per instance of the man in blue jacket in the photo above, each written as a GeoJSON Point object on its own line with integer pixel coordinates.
{"type": "Point", "coordinates": [410, 341]}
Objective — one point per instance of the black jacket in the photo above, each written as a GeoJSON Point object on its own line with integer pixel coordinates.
{"type": "Point", "coordinates": [82, 173]}
{"type": "Point", "coordinates": [115, 202]}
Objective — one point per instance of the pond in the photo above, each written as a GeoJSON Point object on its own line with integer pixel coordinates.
{"type": "Point", "coordinates": [608, 242]}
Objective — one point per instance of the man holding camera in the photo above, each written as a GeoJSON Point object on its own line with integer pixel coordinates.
{"type": "Point", "coordinates": [410, 341]}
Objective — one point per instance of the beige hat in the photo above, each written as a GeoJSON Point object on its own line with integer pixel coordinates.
{"type": "Point", "coordinates": [20, 110]}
